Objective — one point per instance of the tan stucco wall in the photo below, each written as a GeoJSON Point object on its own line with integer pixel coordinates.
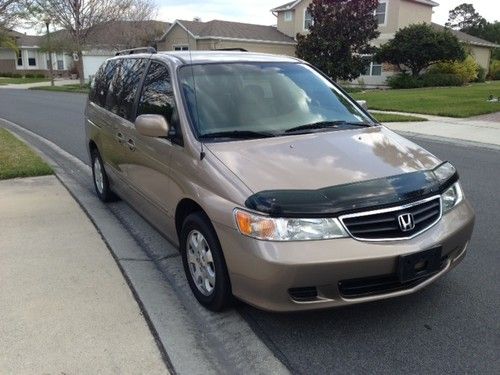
{"type": "Point", "coordinates": [278, 49]}
{"type": "Point", "coordinates": [286, 27]}
{"type": "Point", "coordinates": [291, 28]}
{"type": "Point", "coordinates": [400, 13]}
{"type": "Point", "coordinates": [482, 55]}
{"type": "Point", "coordinates": [177, 36]}
{"type": "Point", "coordinates": [411, 12]}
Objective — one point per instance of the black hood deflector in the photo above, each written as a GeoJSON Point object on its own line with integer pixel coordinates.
{"type": "Point", "coordinates": [347, 198]}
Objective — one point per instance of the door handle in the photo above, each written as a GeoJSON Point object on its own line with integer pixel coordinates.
{"type": "Point", "coordinates": [131, 144]}
{"type": "Point", "coordinates": [120, 138]}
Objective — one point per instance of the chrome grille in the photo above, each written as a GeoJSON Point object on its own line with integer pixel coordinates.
{"type": "Point", "coordinates": [382, 225]}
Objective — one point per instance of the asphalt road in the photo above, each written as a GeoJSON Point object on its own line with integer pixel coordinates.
{"type": "Point", "coordinates": [450, 327]}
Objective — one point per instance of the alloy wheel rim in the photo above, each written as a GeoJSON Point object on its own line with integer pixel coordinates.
{"type": "Point", "coordinates": [200, 262]}
{"type": "Point", "coordinates": [98, 177]}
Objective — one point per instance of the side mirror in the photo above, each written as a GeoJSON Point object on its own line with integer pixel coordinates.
{"type": "Point", "coordinates": [152, 125]}
{"type": "Point", "coordinates": [363, 103]}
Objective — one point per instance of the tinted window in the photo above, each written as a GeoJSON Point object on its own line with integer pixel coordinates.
{"type": "Point", "coordinates": [262, 97]}
{"type": "Point", "coordinates": [157, 95]}
{"type": "Point", "coordinates": [124, 85]}
{"type": "Point", "coordinates": [100, 83]}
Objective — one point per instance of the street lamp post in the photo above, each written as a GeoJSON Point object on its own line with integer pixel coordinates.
{"type": "Point", "coordinates": [49, 50]}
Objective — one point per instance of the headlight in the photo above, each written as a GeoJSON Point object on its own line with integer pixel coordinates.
{"type": "Point", "coordinates": [451, 197]}
{"type": "Point", "coordinates": [281, 229]}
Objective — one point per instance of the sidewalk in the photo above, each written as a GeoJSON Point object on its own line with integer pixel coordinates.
{"type": "Point", "coordinates": [25, 86]}
{"type": "Point", "coordinates": [481, 129]}
{"type": "Point", "coordinates": [64, 304]}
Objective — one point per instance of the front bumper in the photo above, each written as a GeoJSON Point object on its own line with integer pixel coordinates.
{"type": "Point", "coordinates": [263, 272]}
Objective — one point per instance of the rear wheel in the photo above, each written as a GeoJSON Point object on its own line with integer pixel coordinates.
{"type": "Point", "coordinates": [204, 263]}
{"type": "Point", "coordinates": [101, 182]}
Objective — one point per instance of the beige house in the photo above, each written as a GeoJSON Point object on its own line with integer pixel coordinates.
{"type": "Point", "coordinates": [293, 18]}
{"type": "Point", "coordinates": [223, 35]}
{"type": "Point", "coordinates": [391, 15]}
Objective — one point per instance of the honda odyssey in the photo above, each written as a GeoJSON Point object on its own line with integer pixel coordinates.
{"type": "Point", "coordinates": [277, 187]}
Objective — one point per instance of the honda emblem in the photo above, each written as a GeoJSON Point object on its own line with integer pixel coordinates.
{"type": "Point", "coordinates": [406, 222]}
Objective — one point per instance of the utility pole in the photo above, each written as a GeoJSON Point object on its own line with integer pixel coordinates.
{"type": "Point", "coordinates": [49, 50]}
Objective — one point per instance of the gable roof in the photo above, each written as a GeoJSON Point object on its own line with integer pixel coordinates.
{"type": "Point", "coordinates": [217, 29]}
{"type": "Point", "coordinates": [293, 4]}
{"type": "Point", "coordinates": [287, 6]}
{"type": "Point", "coordinates": [426, 2]}
{"type": "Point", "coordinates": [466, 38]}
{"type": "Point", "coordinates": [24, 40]}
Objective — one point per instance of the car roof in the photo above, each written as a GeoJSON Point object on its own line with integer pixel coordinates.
{"type": "Point", "coordinates": [197, 57]}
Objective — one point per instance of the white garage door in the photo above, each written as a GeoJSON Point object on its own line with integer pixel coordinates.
{"type": "Point", "coordinates": [92, 63]}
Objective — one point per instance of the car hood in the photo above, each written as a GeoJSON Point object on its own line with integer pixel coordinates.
{"type": "Point", "coordinates": [322, 159]}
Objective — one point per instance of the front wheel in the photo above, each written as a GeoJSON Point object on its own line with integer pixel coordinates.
{"type": "Point", "coordinates": [101, 182]}
{"type": "Point", "coordinates": [204, 263]}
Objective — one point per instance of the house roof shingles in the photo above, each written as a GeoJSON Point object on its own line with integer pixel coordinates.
{"type": "Point", "coordinates": [25, 40]}
{"type": "Point", "coordinates": [466, 38]}
{"type": "Point", "coordinates": [235, 30]}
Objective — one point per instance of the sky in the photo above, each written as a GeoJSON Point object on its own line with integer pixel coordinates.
{"type": "Point", "coordinates": [258, 11]}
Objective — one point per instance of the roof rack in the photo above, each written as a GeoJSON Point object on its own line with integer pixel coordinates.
{"type": "Point", "coordinates": [232, 49]}
{"type": "Point", "coordinates": [134, 51]}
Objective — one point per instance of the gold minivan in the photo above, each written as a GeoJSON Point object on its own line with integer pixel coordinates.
{"type": "Point", "coordinates": [278, 188]}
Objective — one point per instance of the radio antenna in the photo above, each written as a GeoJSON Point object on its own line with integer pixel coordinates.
{"type": "Point", "coordinates": [202, 148]}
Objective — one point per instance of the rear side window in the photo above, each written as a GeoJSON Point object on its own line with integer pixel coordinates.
{"type": "Point", "coordinates": [100, 84]}
{"type": "Point", "coordinates": [124, 86]}
{"type": "Point", "coordinates": [157, 95]}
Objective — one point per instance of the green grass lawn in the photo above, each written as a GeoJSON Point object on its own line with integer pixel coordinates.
{"type": "Point", "coordinates": [18, 160]}
{"type": "Point", "coordinates": [390, 117]}
{"type": "Point", "coordinates": [464, 101]}
{"type": "Point", "coordinates": [65, 88]}
{"type": "Point", "coordinates": [16, 81]}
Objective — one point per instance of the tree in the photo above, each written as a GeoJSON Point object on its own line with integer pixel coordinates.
{"type": "Point", "coordinates": [10, 12]}
{"type": "Point", "coordinates": [339, 36]}
{"type": "Point", "coordinates": [79, 18]}
{"type": "Point", "coordinates": [416, 47]}
{"type": "Point", "coordinates": [464, 17]}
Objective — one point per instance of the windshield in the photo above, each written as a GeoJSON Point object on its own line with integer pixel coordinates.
{"type": "Point", "coordinates": [263, 99]}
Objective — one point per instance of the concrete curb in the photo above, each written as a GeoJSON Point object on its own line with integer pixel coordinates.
{"type": "Point", "coordinates": [226, 344]}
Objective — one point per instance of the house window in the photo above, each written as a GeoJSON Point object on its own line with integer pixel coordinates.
{"type": "Point", "coordinates": [373, 69]}
{"type": "Point", "coordinates": [308, 20]}
{"type": "Point", "coordinates": [181, 48]}
{"type": "Point", "coordinates": [381, 13]}
{"type": "Point", "coordinates": [288, 15]}
{"type": "Point", "coordinates": [19, 58]}
{"type": "Point", "coordinates": [60, 61]}
{"type": "Point", "coordinates": [31, 58]}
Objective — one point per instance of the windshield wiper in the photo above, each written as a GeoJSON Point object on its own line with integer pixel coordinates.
{"type": "Point", "coordinates": [238, 134]}
{"type": "Point", "coordinates": [325, 124]}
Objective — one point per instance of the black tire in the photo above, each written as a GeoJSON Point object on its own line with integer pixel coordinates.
{"type": "Point", "coordinates": [221, 296]}
{"type": "Point", "coordinates": [105, 194]}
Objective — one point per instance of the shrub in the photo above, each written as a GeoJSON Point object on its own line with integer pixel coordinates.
{"type": "Point", "coordinates": [403, 81]}
{"type": "Point", "coordinates": [6, 75]}
{"type": "Point", "coordinates": [29, 75]}
{"type": "Point", "coordinates": [468, 69]}
{"type": "Point", "coordinates": [39, 75]}
{"type": "Point", "coordinates": [495, 70]}
{"type": "Point", "coordinates": [441, 80]}
{"type": "Point", "coordinates": [16, 75]}
{"type": "Point", "coordinates": [481, 75]}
